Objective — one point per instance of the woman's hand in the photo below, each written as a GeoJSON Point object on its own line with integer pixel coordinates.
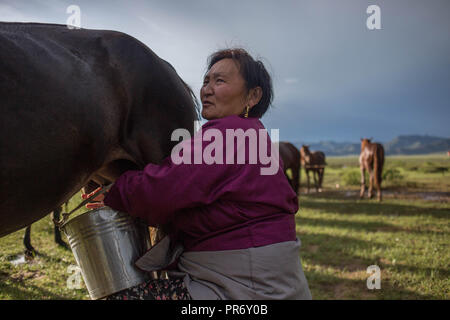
{"type": "Point", "coordinates": [98, 200]}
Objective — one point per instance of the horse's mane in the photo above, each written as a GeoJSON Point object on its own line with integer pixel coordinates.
{"type": "Point", "coordinates": [190, 91]}
{"type": "Point", "coordinates": [194, 99]}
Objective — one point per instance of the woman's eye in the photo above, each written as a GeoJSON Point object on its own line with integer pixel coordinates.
{"type": "Point", "coordinates": [219, 80]}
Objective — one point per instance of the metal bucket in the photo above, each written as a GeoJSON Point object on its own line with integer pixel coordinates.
{"type": "Point", "coordinates": [106, 243]}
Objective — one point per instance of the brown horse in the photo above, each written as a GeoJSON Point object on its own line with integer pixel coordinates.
{"type": "Point", "coordinates": [291, 160]}
{"type": "Point", "coordinates": [315, 162]}
{"type": "Point", "coordinates": [372, 160]}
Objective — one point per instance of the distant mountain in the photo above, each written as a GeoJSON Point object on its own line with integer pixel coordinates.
{"type": "Point", "coordinates": [417, 145]}
{"type": "Point", "coordinates": [405, 144]}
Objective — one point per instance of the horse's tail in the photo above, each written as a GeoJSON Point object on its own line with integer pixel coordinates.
{"type": "Point", "coordinates": [324, 159]}
{"type": "Point", "coordinates": [378, 163]}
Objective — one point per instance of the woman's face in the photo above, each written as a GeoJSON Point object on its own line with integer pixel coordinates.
{"type": "Point", "coordinates": [223, 92]}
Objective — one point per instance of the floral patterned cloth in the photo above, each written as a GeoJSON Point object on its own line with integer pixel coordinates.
{"type": "Point", "coordinates": [158, 289]}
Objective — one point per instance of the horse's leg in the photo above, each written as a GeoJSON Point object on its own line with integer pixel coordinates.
{"type": "Point", "coordinates": [295, 180]}
{"type": "Point", "coordinates": [379, 191]}
{"type": "Point", "coordinates": [378, 183]}
{"type": "Point", "coordinates": [299, 178]}
{"type": "Point", "coordinates": [316, 173]}
{"type": "Point", "coordinates": [291, 183]}
{"type": "Point", "coordinates": [56, 216]}
{"type": "Point", "coordinates": [363, 182]}
{"type": "Point", "coordinates": [371, 178]}
{"type": "Point", "coordinates": [320, 179]}
{"type": "Point", "coordinates": [29, 252]}
{"type": "Point", "coordinates": [307, 181]}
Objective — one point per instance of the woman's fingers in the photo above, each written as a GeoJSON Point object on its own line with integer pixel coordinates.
{"type": "Point", "coordinates": [95, 205]}
{"type": "Point", "coordinates": [98, 199]}
{"type": "Point", "coordinates": [94, 192]}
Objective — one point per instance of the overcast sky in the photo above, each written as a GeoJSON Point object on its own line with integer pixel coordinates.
{"type": "Point", "coordinates": [334, 79]}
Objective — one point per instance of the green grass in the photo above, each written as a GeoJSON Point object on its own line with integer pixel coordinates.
{"type": "Point", "coordinates": [407, 239]}
{"type": "Point", "coordinates": [419, 173]}
{"type": "Point", "coordinates": [405, 235]}
{"type": "Point", "coordinates": [46, 276]}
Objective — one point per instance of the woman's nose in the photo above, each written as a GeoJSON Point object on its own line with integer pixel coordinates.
{"type": "Point", "coordinates": [206, 90]}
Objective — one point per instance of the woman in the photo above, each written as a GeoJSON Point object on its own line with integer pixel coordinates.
{"type": "Point", "coordinates": [231, 229]}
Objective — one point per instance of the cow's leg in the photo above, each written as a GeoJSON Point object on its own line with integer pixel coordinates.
{"type": "Point", "coordinates": [363, 182]}
{"type": "Point", "coordinates": [371, 178]}
{"type": "Point", "coordinates": [57, 232]}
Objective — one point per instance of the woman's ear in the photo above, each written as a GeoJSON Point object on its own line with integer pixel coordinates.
{"type": "Point", "coordinates": [254, 96]}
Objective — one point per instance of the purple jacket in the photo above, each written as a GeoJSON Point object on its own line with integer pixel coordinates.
{"type": "Point", "coordinates": [211, 207]}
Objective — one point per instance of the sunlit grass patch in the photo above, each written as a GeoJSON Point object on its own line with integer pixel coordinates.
{"type": "Point", "coordinates": [406, 239]}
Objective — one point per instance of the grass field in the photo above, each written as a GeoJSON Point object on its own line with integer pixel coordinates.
{"type": "Point", "coordinates": [407, 236]}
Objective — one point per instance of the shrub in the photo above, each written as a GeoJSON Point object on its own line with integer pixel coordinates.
{"type": "Point", "coordinates": [392, 175]}
{"type": "Point", "coordinates": [434, 169]}
{"type": "Point", "coordinates": [351, 177]}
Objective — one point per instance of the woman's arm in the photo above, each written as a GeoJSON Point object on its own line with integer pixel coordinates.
{"type": "Point", "coordinates": [158, 191]}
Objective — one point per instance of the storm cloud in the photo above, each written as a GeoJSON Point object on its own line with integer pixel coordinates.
{"type": "Point", "coordinates": [334, 79]}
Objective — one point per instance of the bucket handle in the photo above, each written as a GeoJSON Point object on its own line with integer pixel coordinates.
{"type": "Point", "coordinates": [65, 215]}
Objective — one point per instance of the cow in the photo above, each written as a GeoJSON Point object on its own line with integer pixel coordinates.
{"type": "Point", "coordinates": [315, 162]}
{"type": "Point", "coordinates": [371, 159]}
{"type": "Point", "coordinates": [291, 160]}
{"type": "Point", "coordinates": [79, 105]}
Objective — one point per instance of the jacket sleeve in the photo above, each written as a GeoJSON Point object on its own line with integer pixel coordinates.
{"type": "Point", "coordinates": [158, 191]}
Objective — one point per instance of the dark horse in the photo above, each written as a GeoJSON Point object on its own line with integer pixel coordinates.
{"type": "Point", "coordinates": [30, 251]}
{"type": "Point", "coordinates": [79, 105]}
{"type": "Point", "coordinates": [291, 160]}
{"type": "Point", "coordinates": [372, 160]}
{"type": "Point", "coordinates": [315, 162]}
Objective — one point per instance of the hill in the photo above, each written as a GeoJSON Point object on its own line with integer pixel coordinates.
{"type": "Point", "coordinates": [404, 144]}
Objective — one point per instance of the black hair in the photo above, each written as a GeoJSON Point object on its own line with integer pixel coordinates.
{"type": "Point", "coordinates": [254, 73]}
